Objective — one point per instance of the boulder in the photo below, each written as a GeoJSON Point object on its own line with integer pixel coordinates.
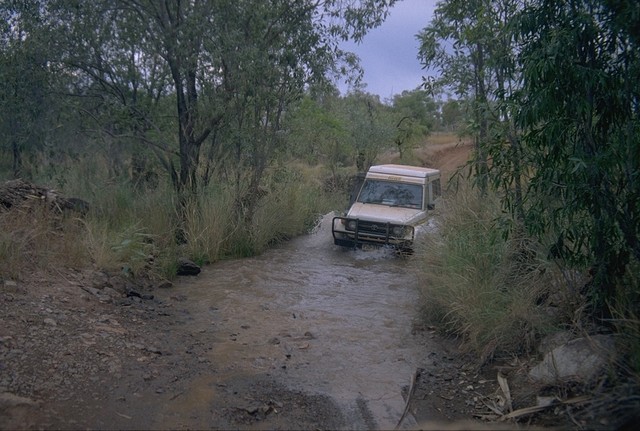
{"type": "Point", "coordinates": [550, 342]}
{"type": "Point", "coordinates": [187, 267]}
{"type": "Point", "coordinates": [579, 360]}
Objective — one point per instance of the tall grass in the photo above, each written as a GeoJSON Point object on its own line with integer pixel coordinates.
{"type": "Point", "coordinates": [294, 205]}
{"type": "Point", "coordinates": [479, 285]}
{"type": "Point", "coordinates": [32, 238]}
{"type": "Point", "coordinates": [134, 229]}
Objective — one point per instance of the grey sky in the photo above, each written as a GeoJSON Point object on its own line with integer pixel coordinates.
{"type": "Point", "coordinates": [388, 54]}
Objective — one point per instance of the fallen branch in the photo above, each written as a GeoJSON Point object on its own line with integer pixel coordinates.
{"type": "Point", "coordinates": [412, 389]}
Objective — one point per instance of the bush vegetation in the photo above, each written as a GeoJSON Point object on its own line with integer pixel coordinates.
{"type": "Point", "coordinates": [134, 229]}
{"type": "Point", "coordinates": [483, 287]}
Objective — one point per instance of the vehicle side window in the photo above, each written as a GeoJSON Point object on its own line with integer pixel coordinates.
{"type": "Point", "coordinates": [436, 189]}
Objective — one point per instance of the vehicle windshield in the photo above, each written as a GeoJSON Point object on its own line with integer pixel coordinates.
{"type": "Point", "coordinates": [391, 193]}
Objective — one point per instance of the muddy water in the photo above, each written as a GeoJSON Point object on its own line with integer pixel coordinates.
{"type": "Point", "coordinates": [316, 319]}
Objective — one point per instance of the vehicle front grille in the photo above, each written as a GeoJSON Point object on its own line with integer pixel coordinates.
{"type": "Point", "coordinates": [373, 228]}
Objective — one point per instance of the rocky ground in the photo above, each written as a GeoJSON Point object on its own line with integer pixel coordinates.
{"type": "Point", "coordinates": [83, 349]}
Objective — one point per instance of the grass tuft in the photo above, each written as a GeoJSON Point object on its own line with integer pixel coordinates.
{"type": "Point", "coordinates": [482, 287]}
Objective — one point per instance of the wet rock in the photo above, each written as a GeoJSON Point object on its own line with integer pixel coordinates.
{"type": "Point", "coordinates": [578, 360]}
{"type": "Point", "coordinates": [187, 267]}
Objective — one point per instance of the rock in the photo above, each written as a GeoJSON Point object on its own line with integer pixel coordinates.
{"type": "Point", "coordinates": [100, 280]}
{"type": "Point", "coordinates": [10, 286]}
{"type": "Point", "coordinates": [166, 284]}
{"type": "Point", "coordinates": [111, 293]}
{"type": "Point", "coordinates": [118, 284]}
{"type": "Point", "coordinates": [77, 205]}
{"type": "Point", "coordinates": [50, 322]}
{"type": "Point", "coordinates": [187, 267]}
{"type": "Point", "coordinates": [578, 360]}
{"type": "Point", "coordinates": [8, 399]}
{"type": "Point", "coordinates": [91, 290]}
{"type": "Point", "coordinates": [552, 341]}
{"type": "Point", "coordinates": [132, 292]}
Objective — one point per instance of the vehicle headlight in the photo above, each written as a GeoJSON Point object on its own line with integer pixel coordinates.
{"type": "Point", "coordinates": [398, 231]}
{"type": "Point", "coordinates": [351, 225]}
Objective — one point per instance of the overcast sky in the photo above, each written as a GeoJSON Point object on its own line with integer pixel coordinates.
{"type": "Point", "coordinates": [388, 54]}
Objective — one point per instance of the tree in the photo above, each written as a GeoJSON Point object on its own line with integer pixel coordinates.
{"type": "Point", "coordinates": [580, 115]}
{"type": "Point", "coordinates": [416, 117]}
{"type": "Point", "coordinates": [316, 134]}
{"type": "Point", "coordinates": [369, 127]}
{"type": "Point", "coordinates": [452, 115]}
{"type": "Point", "coordinates": [472, 46]}
{"type": "Point", "coordinates": [220, 57]}
{"type": "Point", "coordinates": [25, 97]}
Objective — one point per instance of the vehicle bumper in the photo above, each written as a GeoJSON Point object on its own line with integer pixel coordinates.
{"type": "Point", "coordinates": [363, 235]}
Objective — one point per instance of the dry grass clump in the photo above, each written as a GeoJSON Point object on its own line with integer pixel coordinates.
{"type": "Point", "coordinates": [481, 286]}
{"type": "Point", "coordinates": [35, 237]}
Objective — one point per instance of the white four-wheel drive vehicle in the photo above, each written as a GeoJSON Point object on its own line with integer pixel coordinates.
{"type": "Point", "coordinates": [391, 205]}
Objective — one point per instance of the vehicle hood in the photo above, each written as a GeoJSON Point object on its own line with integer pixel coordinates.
{"type": "Point", "coordinates": [386, 214]}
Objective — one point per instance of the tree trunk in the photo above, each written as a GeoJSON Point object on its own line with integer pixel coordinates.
{"type": "Point", "coordinates": [17, 158]}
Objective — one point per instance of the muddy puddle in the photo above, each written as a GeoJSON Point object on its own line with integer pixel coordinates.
{"type": "Point", "coordinates": [309, 318]}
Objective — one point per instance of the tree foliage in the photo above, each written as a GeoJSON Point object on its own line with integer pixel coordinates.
{"type": "Point", "coordinates": [553, 91]}
{"type": "Point", "coordinates": [177, 76]}
{"type": "Point", "coordinates": [415, 113]}
{"type": "Point", "coordinates": [26, 105]}
{"type": "Point", "coordinates": [580, 112]}
{"type": "Point", "coordinates": [472, 45]}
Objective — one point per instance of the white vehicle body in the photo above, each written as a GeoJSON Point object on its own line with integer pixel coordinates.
{"type": "Point", "coordinates": [392, 202]}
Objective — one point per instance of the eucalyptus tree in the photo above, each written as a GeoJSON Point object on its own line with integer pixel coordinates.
{"type": "Point", "coordinates": [315, 132]}
{"type": "Point", "coordinates": [580, 115]}
{"type": "Point", "coordinates": [472, 46]}
{"type": "Point", "coordinates": [370, 127]}
{"type": "Point", "coordinates": [230, 67]}
{"type": "Point", "coordinates": [26, 103]}
{"type": "Point", "coordinates": [415, 113]}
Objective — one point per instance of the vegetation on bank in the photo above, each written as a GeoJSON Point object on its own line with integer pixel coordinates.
{"type": "Point", "coordinates": [133, 230]}
{"type": "Point", "coordinates": [486, 288]}
{"type": "Point", "coordinates": [552, 104]}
